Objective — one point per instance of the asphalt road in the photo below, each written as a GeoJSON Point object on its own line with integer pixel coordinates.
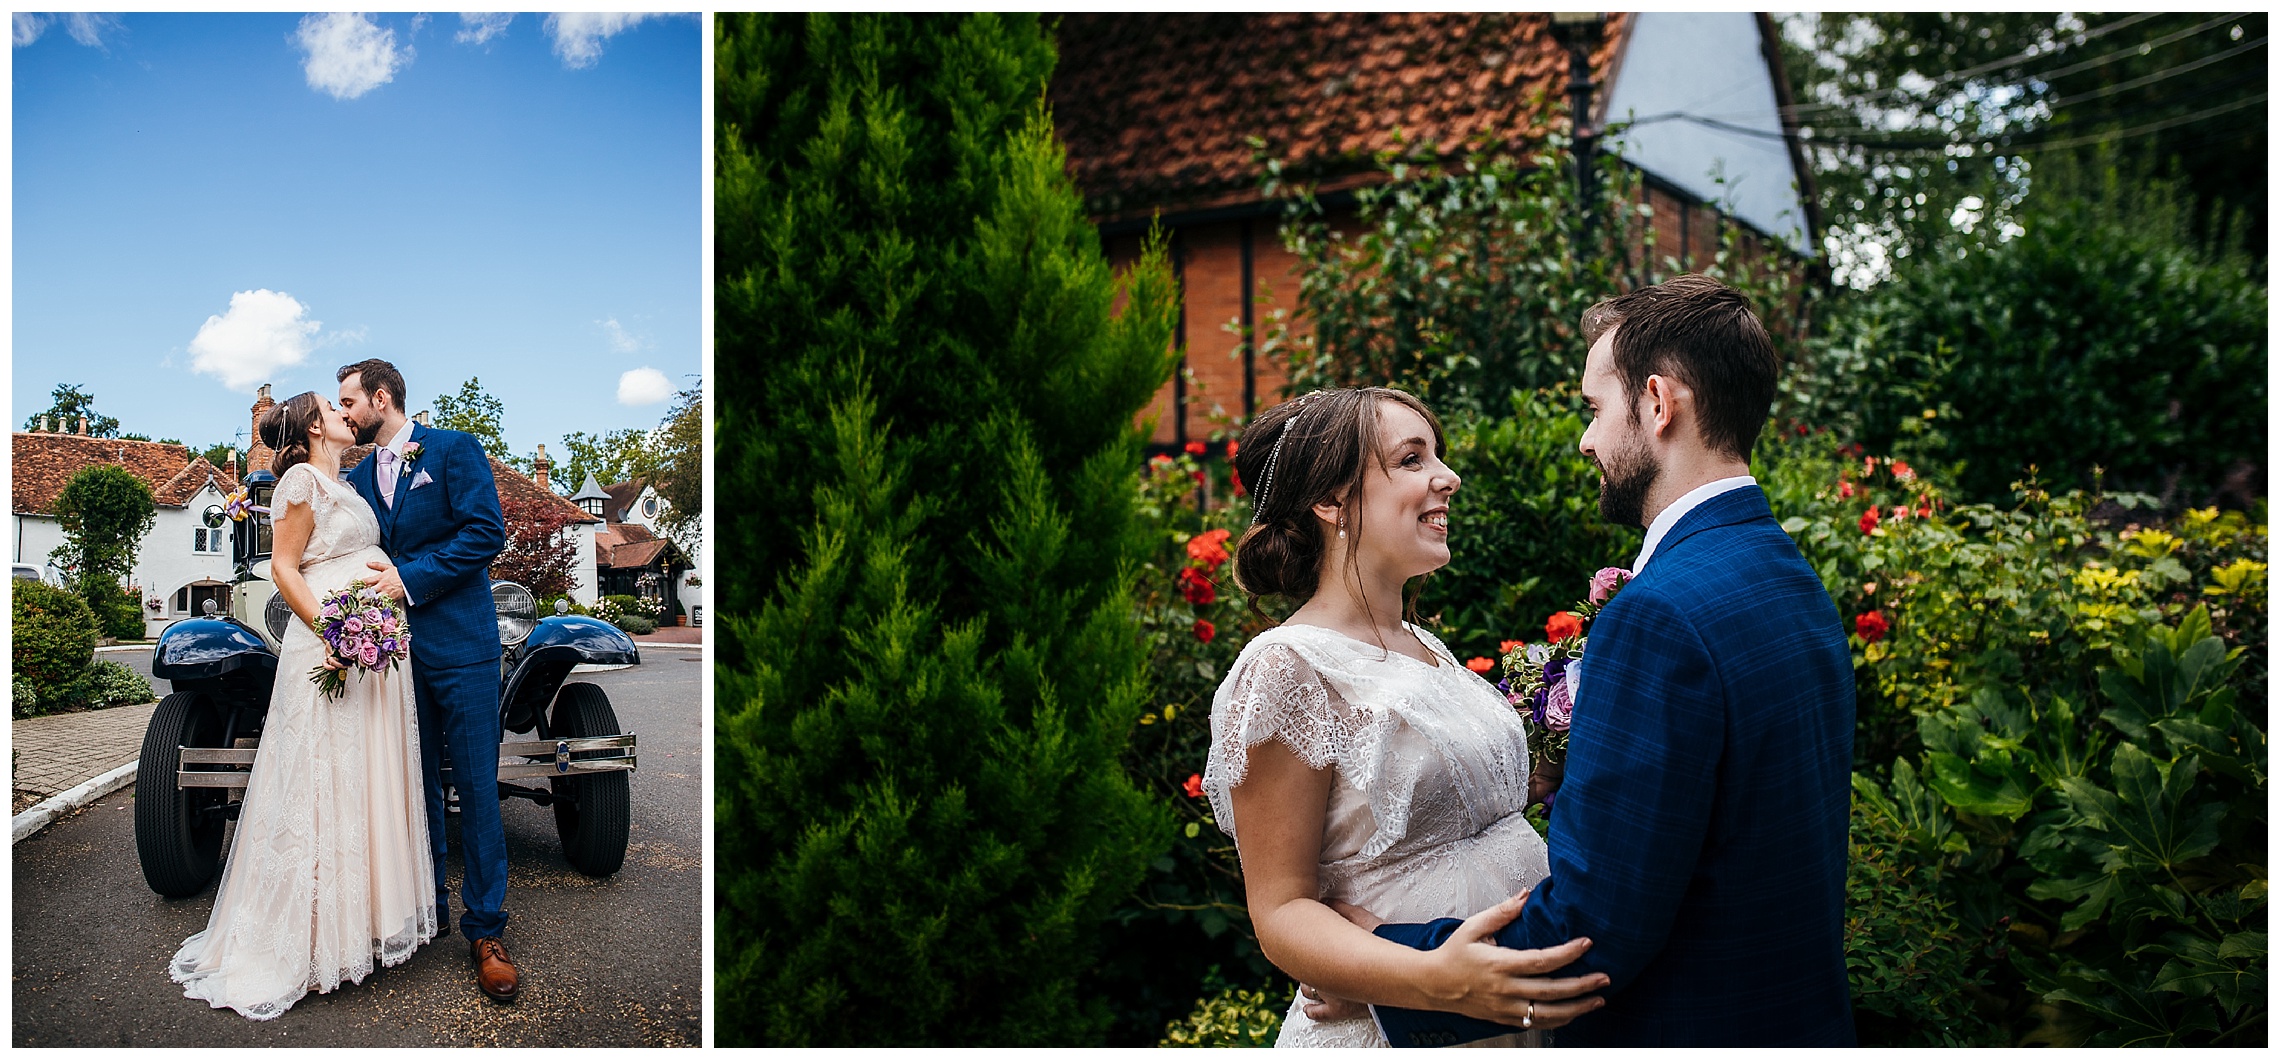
{"type": "Point", "coordinates": [612, 962]}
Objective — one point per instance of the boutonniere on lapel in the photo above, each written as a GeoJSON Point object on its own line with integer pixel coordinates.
{"type": "Point", "coordinates": [412, 452]}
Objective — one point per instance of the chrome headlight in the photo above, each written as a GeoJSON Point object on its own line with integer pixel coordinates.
{"type": "Point", "coordinates": [277, 616]}
{"type": "Point", "coordinates": [517, 610]}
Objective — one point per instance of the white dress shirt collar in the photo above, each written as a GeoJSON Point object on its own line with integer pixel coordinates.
{"type": "Point", "coordinates": [403, 435]}
{"type": "Point", "coordinates": [1678, 509]}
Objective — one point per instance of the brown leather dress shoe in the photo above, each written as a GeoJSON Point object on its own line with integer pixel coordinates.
{"type": "Point", "coordinates": [494, 972]}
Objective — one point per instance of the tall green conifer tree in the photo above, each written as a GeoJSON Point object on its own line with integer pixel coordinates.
{"type": "Point", "coordinates": [928, 376]}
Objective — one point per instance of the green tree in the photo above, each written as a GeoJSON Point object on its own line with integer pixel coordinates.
{"type": "Point", "coordinates": [1920, 121]}
{"type": "Point", "coordinates": [105, 511]}
{"type": "Point", "coordinates": [611, 458]}
{"type": "Point", "coordinates": [70, 403]}
{"type": "Point", "coordinates": [930, 663]}
{"type": "Point", "coordinates": [2102, 337]}
{"type": "Point", "coordinates": [677, 468]}
{"type": "Point", "coordinates": [475, 411]}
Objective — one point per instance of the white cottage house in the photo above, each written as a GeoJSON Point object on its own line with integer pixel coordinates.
{"type": "Point", "coordinates": [181, 562]}
{"type": "Point", "coordinates": [633, 545]}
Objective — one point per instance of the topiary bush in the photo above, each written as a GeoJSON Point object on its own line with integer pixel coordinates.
{"type": "Point", "coordinates": [53, 641]}
{"type": "Point", "coordinates": [930, 665]}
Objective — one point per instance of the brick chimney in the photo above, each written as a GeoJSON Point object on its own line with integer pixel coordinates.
{"type": "Point", "coordinates": [423, 419]}
{"type": "Point", "coordinates": [83, 425]}
{"type": "Point", "coordinates": [233, 464]}
{"type": "Point", "coordinates": [257, 458]}
{"type": "Point", "coordinates": [47, 424]}
{"type": "Point", "coordinates": [540, 466]}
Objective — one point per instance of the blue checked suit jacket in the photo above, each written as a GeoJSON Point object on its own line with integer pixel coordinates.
{"type": "Point", "coordinates": [443, 536]}
{"type": "Point", "coordinates": [1699, 837]}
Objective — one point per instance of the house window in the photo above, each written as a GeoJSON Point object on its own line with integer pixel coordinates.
{"type": "Point", "coordinates": [649, 506]}
{"type": "Point", "coordinates": [206, 540]}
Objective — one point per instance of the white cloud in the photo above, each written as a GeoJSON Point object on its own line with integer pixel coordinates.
{"type": "Point", "coordinates": [478, 27]}
{"type": "Point", "coordinates": [578, 35]}
{"type": "Point", "coordinates": [85, 27]}
{"type": "Point", "coordinates": [264, 331]}
{"type": "Point", "coordinates": [621, 340]}
{"type": "Point", "coordinates": [348, 54]}
{"type": "Point", "coordinates": [643, 386]}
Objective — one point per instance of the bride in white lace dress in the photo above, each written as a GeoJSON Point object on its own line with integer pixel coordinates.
{"type": "Point", "coordinates": [329, 872]}
{"type": "Point", "coordinates": [1353, 759]}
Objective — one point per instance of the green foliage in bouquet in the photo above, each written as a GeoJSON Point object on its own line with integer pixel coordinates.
{"type": "Point", "coordinates": [2103, 337]}
{"type": "Point", "coordinates": [930, 662]}
{"type": "Point", "coordinates": [52, 639]}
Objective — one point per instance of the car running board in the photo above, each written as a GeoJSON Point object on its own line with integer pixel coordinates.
{"type": "Point", "coordinates": [518, 760]}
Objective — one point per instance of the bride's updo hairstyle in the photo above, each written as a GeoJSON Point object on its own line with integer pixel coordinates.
{"type": "Point", "coordinates": [285, 429]}
{"type": "Point", "coordinates": [1318, 447]}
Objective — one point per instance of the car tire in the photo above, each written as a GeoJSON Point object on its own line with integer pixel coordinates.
{"type": "Point", "coordinates": [593, 812]}
{"type": "Point", "coordinates": [178, 831]}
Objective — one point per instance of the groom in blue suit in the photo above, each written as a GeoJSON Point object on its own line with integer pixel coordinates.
{"type": "Point", "coordinates": [439, 521]}
{"type": "Point", "coordinates": [1699, 836]}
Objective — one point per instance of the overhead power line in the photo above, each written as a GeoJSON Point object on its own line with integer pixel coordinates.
{"type": "Point", "coordinates": [2044, 76]}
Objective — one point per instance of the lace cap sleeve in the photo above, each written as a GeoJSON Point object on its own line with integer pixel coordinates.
{"type": "Point", "coordinates": [1272, 693]}
{"type": "Point", "coordinates": [299, 486]}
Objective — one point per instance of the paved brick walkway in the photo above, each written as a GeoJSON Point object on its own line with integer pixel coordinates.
{"type": "Point", "coordinates": [57, 752]}
{"type": "Point", "coordinates": [673, 635]}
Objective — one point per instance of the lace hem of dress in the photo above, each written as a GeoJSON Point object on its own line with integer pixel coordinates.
{"type": "Point", "coordinates": [211, 985]}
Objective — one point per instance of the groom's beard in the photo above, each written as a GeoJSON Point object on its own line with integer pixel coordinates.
{"type": "Point", "coordinates": [366, 433]}
{"type": "Point", "coordinates": [1623, 484]}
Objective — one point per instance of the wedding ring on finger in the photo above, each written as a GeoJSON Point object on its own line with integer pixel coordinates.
{"type": "Point", "coordinates": [1528, 1019]}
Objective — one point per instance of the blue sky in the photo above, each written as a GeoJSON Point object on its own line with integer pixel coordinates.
{"type": "Point", "coordinates": [204, 203]}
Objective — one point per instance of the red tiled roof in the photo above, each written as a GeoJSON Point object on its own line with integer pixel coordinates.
{"type": "Point", "coordinates": [511, 483]}
{"type": "Point", "coordinates": [634, 555]}
{"type": "Point", "coordinates": [1158, 109]}
{"type": "Point", "coordinates": [45, 461]}
{"type": "Point", "coordinates": [622, 497]}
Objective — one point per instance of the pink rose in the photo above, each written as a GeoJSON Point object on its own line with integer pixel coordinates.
{"type": "Point", "coordinates": [353, 625]}
{"type": "Point", "coordinates": [371, 655]}
{"type": "Point", "coordinates": [1604, 583]}
{"type": "Point", "coordinates": [1559, 707]}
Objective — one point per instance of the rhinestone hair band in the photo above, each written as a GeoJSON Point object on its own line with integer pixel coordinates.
{"type": "Point", "coordinates": [1267, 480]}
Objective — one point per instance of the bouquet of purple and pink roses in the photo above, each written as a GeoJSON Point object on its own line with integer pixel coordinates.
{"type": "Point", "coordinates": [364, 629]}
{"type": "Point", "coordinates": [1540, 680]}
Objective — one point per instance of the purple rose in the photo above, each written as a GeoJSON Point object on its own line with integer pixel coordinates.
{"type": "Point", "coordinates": [353, 625]}
{"type": "Point", "coordinates": [1604, 583]}
{"type": "Point", "coordinates": [371, 655]}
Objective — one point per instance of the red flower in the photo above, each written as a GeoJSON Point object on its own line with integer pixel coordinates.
{"type": "Point", "coordinates": [1902, 471]}
{"type": "Point", "coordinates": [1198, 477]}
{"type": "Point", "coordinates": [1868, 520]}
{"type": "Point", "coordinates": [1845, 489]}
{"type": "Point", "coordinates": [1562, 626]}
{"type": "Point", "coordinates": [1209, 547]}
{"type": "Point", "coordinates": [1196, 586]}
{"type": "Point", "coordinates": [1232, 448]}
{"type": "Point", "coordinates": [1899, 512]}
{"type": "Point", "coordinates": [1479, 665]}
{"type": "Point", "coordinates": [1236, 477]}
{"type": "Point", "coordinates": [1197, 448]}
{"type": "Point", "coordinates": [1922, 511]}
{"type": "Point", "coordinates": [1204, 631]}
{"type": "Point", "coordinates": [1504, 647]}
{"type": "Point", "coordinates": [1871, 626]}
{"type": "Point", "coordinates": [1194, 786]}
{"type": "Point", "coordinates": [1159, 461]}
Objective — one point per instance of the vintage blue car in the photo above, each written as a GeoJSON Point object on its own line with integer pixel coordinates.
{"type": "Point", "coordinates": [204, 736]}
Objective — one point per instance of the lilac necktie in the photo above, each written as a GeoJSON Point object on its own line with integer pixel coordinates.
{"type": "Point", "coordinates": [388, 489]}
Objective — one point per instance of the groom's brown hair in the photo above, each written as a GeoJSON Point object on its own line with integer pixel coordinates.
{"type": "Point", "coordinates": [1703, 334]}
{"type": "Point", "coordinates": [375, 375]}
